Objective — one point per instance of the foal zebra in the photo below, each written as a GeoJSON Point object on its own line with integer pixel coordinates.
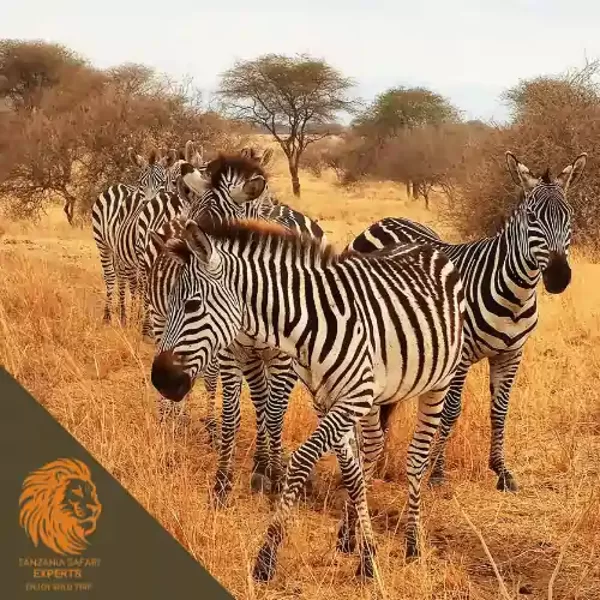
{"type": "Point", "coordinates": [116, 204]}
{"type": "Point", "coordinates": [269, 373]}
{"type": "Point", "coordinates": [500, 275]}
{"type": "Point", "coordinates": [365, 331]}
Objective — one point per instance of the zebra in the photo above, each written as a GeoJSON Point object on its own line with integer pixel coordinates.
{"type": "Point", "coordinates": [269, 373]}
{"type": "Point", "coordinates": [155, 214]}
{"type": "Point", "coordinates": [163, 207]}
{"type": "Point", "coordinates": [114, 205]}
{"type": "Point", "coordinates": [364, 330]}
{"type": "Point", "coordinates": [500, 275]}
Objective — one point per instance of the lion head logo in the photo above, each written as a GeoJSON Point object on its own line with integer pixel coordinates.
{"type": "Point", "coordinates": [59, 506]}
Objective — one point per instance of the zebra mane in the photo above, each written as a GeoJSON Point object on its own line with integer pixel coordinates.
{"type": "Point", "coordinates": [245, 166]}
{"type": "Point", "coordinates": [246, 231]}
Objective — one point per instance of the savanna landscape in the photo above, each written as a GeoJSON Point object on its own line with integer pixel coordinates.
{"type": "Point", "coordinates": [478, 543]}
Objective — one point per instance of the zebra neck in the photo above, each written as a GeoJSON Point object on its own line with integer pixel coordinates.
{"type": "Point", "coordinates": [517, 270]}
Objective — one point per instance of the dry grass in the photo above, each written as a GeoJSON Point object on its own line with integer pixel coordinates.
{"type": "Point", "coordinates": [95, 380]}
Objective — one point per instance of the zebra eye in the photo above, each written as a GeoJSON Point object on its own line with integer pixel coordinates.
{"type": "Point", "coordinates": [531, 216]}
{"type": "Point", "coordinates": [192, 306]}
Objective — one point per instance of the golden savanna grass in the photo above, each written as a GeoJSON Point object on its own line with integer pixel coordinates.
{"type": "Point", "coordinates": [95, 380]}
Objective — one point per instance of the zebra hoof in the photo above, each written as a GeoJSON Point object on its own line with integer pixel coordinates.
{"type": "Point", "coordinates": [260, 483]}
{"type": "Point", "coordinates": [436, 480]}
{"type": "Point", "coordinates": [265, 565]}
{"type": "Point", "coordinates": [365, 569]}
{"type": "Point", "coordinates": [412, 550]}
{"type": "Point", "coordinates": [507, 483]}
{"type": "Point", "coordinates": [346, 543]}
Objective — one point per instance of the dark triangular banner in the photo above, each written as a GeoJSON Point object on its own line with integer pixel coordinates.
{"type": "Point", "coordinates": [94, 540]}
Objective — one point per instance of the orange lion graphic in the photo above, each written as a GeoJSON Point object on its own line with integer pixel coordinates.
{"type": "Point", "coordinates": [59, 506]}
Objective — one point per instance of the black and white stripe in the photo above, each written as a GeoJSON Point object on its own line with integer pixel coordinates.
{"type": "Point", "coordinates": [500, 275]}
{"type": "Point", "coordinates": [112, 208]}
{"type": "Point", "coordinates": [364, 330]}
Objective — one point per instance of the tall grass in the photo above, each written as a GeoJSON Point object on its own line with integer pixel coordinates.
{"type": "Point", "coordinates": [95, 380]}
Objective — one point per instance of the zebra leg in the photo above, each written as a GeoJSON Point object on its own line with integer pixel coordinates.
{"type": "Point", "coordinates": [334, 427]}
{"type": "Point", "coordinates": [147, 330]}
{"type": "Point", "coordinates": [109, 273]}
{"type": "Point", "coordinates": [451, 412]}
{"type": "Point", "coordinates": [231, 378]}
{"type": "Point", "coordinates": [355, 485]}
{"type": "Point", "coordinates": [430, 409]}
{"type": "Point", "coordinates": [371, 443]}
{"type": "Point", "coordinates": [255, 372]}
{"type": "Point", "coordinates": [211, 377]}
{"type": "Point", "coordinates": [282, 379]}
{"type": "Point", "coordinates": [122, 282]}
{"type": "Point", "coordinates": [133, 293]}
{"type": "Point", "coordinates": [503, 370]}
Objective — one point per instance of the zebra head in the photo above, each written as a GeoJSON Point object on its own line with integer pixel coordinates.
{"type": "Point", "coordinates": [229, 187]}
{"type": "Point", "coordinates": [204, 313]}
{"type": "Point", "coordinates": [546, 216]}
{"type": "Point", "coordinates": [153, 172]}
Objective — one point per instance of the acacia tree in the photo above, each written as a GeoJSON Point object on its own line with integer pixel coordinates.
{"type": "Point", "coordinates": [29, 68]}
{"type": "Point", "coordinates": [401, 108]}
{"type": "Point", "coordinates": [296, 99]}
{"type": "Point", "coordinates": [392, 116]}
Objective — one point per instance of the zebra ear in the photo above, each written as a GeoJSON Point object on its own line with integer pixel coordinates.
{"type": "Point", "coordinates": [199, 156]}
{"type": "Point", "coordinates": [198, 241]}
{"type": "Point", "coordinates": [158, 241]}
{"type": "Point", "coordinates": [572, 173]}
{"type": "Point", "coordinates": [193, 178]}
{"type": "Point", "coordinates": [254, 187]}
{"type": "Point", "coordinates": [266, 157]}
{"type": "Point", "coordinates": [171, 157]}
{"type": "Point", "coordinates": [136, 159]}
{"type": "Point", "coordinates": [189, 151]}
{"type": "Point", "coordinates": [520, 174]}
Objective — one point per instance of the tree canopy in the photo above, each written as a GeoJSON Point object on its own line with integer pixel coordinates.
{"type": "Point", "coordinates": [297, 99]}
{"type": "Point", "coordinates": [402, 108]}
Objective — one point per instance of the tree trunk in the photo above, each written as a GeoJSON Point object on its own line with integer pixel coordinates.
{"type": "Point", "coordinates": [69, 206]}
{"type": "Point", "coordinates": [416, 190]}
{"type": "Point", "coordinates": [408, 189]}
{"type": "Point", "coordinates": [293, 164]}
{"type": "Point", "coordinates": [426, 196]}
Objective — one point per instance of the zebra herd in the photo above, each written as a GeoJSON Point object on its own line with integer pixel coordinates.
{"type": "Point", "coordinates": [232, 282]}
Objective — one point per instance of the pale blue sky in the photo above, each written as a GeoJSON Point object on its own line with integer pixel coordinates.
{"type": "Point", "coordinates": [468, 50]}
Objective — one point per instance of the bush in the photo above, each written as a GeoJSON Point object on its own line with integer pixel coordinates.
{"type": "Point", "coordinates": [554, 120]}
{"type": "Point", "coordinates": [67, 126]}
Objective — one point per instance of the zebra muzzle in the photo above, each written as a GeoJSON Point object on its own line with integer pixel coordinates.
{"type": "Point", "coordinates": [557, 275]}
{"type": "Point", "coordinates": [169, 377]}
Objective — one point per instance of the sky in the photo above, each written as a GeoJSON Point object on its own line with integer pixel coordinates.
{"type": "Point", "coordinates": [467, 50]}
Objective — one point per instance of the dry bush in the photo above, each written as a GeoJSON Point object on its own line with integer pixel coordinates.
{"type": "Point", "coordinates": [318, 156]}
{"type": "Point", "coordinates": [69, 140]}
{"type": "Point", "coordinates": [421, 158]}
{"type": "Point", "coordinates": [554, 120]}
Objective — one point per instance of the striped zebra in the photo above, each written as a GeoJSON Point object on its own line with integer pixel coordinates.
{"type": "Point", "coordinates": [164, 206]}
{"type": "Point", "coordinates": [153, 218]}
{"type": "Point", "coordinates": [364, 330]}
{"type": "Point", "coordinates": [113, 206]}
{"type": "Point", "coordinates": [269, 373]}
{"type": "Point", "coordinates": [500, 275]}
